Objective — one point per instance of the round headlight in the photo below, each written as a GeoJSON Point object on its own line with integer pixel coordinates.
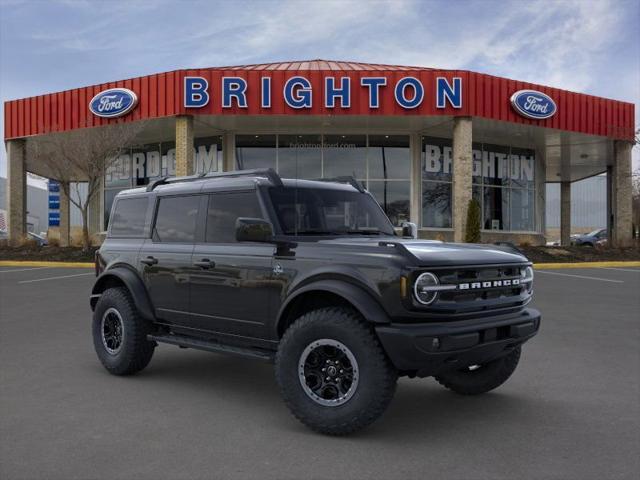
{"type": "Point", "coordinates": [423, 288]}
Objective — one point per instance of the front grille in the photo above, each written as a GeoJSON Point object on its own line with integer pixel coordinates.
{"type": "Point", "coordinates": [478, 289]}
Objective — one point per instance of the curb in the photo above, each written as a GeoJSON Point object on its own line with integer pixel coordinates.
{"type": "Point", "coordinates": [29, 263]}
{"type": "Point", "coordinates": [542, 266]}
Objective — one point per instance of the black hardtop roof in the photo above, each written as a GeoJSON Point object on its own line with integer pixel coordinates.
{"type": "Point", "coordinates": [238, 180]}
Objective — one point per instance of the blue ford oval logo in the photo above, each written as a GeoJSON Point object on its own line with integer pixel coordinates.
{"type": "Point", "coordinates": [114, 102]}
{"type": "Point", "coordinates": [533, 104]}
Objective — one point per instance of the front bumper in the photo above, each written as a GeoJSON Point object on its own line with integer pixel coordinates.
{"type": "Point", "coordinates": [430, 348]}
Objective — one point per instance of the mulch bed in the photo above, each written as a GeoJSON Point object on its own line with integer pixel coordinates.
{"type": "Point", "coordinates": [580, 254]}
{"type": "Point", "coordinates": [48, 253]}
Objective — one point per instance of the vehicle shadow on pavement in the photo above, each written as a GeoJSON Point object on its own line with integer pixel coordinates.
{"type": "Point", "coordinates": [420, 407]}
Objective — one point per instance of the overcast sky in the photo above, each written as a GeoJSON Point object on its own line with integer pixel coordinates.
{"type": "Point", "coordinates": [586, 46]}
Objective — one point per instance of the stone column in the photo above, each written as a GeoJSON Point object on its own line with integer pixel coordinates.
{"type": "Point", "coordinates": [185, 162]}
{"type": "Point", "coordinates": [416, 179]}
{"type": "Point", "coordinates": [16, 191]}
{"type": "Point", "coordinates": [65, 216]}
{"type": "Point", "coordinates": [565, 213]}
{"type": "Point", "coordinates": [228, 152]}
{"type": "Point", "coordinates": [96, 217]}
{"type": "Point", "coordinates": [620, 234]}
{"type": "Point", "coordinates": [462, 174]}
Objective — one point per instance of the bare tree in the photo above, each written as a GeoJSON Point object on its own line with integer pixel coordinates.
{"type": "Point", "coordinates": [82, 156]}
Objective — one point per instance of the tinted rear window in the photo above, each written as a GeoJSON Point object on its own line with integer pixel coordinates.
{"type": "Point", "coordinates": [128, 217]}
{"type": "Point", "coordinates": [176, 219]}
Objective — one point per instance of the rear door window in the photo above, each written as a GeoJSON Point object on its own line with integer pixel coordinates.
{"type": "Point", "coordinates": [224, 209]}
{"type": "Point", "coordinates": [128, 217]}
{"type": "Point", "coordinates": [176, 219]}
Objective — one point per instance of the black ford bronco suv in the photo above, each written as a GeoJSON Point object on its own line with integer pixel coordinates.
{"type": "Point", "coordinates": [312, 276]}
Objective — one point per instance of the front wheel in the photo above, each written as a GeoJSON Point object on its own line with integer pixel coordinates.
{"type": "Point", "coordinates": [477, 379]}
{"type": "Point", "coordinates": [332, 372]}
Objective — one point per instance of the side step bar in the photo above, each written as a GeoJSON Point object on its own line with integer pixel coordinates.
{"type": "Point", "coordinates": [188, 342]}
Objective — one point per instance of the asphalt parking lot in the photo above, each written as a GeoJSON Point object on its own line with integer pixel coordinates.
{"type": "Point", "coordinates": [571, 410]}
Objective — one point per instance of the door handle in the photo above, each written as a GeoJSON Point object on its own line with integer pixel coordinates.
{"type": "Point", "coordinates": [205, 263]}
{"type": "Point", "coordinates": [149, 260]}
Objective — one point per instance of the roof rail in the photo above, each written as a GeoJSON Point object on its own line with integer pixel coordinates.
{"type": "Point", "coordinates": [345, 179]}
{"type": "Point", "coordinates": [270, 173]}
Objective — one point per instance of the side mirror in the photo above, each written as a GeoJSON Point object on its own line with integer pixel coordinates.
{"type": "Point", "coordinates": [409, 230]}
{"type": "Point", "coordinates": [253, 230]}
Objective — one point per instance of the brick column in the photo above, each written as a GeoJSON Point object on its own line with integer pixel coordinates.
{"type": "Point", "coordinates": [621, 185]}
{"type": "Point", "coordinates": [228, 152]}
{"type": "Point", "coordinates": [565, 213]}
{"type": "Point", "coordinates": [185, 162]}
{"type": "Point", "coordinates": [65, 216]}
{"type": "Point", "coordinates": [16, 191]}
{"type": "Point", "coordinates": [462, 174]}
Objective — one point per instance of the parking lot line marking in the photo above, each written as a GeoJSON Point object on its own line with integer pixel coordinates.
{"type": "Point", "coordinates": [23, 269]}
{"type": "Point", "coordinates": [56, 278]}
{"type": "Point", "coordinates": [581, 276]}
{"type": "Point", "coordinates": [624, 264]}
{"type": "Point", "coordinates": [621, 269]}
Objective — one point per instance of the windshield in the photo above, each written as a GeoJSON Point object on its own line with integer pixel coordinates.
{"type": "Point", "coordinates": [324, 211]}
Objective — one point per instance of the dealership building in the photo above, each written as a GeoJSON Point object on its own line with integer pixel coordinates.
{"type": "Point", "coordinates": [423, 141]}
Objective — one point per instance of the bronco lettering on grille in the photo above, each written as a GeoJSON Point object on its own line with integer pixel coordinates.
{"type": "Point", "coordinates": [514, 282]}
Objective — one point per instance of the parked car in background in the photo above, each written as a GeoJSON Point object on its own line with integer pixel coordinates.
{"type": "Point", "coordinates": [590, 239]}
{"type": "Point", "coordinates": [39, 239]}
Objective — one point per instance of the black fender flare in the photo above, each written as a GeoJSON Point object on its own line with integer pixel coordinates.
{"type": "Point", "coordinates": [134, 284]}
{"type": "Point", "coordinates": [357, 296]}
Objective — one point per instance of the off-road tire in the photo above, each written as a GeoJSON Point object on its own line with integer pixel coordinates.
{"type": "Point", "coordinates": [136, 351]}
{"type": "Point", "coordinates": [489, 376]}
{"type": "Point", "coordinates": [377, 376]}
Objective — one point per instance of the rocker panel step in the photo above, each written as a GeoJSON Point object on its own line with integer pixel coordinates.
{"type": "Point", "coordinates": [198, 344]}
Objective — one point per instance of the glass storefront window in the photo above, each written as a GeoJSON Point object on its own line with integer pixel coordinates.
{"type": "Point", "coordinates": [256, 151]}
{"type": "Point", "coordinates": [393, 197]}
{"type": "Point", "coordinates": [495, 165]}
{"type": "Point", "coordinates": [389, 157]}
{"type": "Point", "coordinates": [118, 173]}
{"type": "Point", "coordinates": [300, 156]}
{"type": "Point", "coordinates": [496, 201]}
{"type": "Point", "coordinates": [208, 154]}
{"type": "Point", "coordinates": [503, 183]}
{"type": "Point", "coordinates": [522, 209]}
{"type": "Point", "coordinates": [437, 162]}
{"type": "Point", "coordinates": [344, 155]}
{"type": "Point", "coordinates": [436, 204]}
{"type": "Point", "coordinates": [522, 165]}
{"type": "Point", "coordinates": [437, 174]}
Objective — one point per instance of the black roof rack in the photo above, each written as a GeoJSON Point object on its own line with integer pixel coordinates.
{"type": "Point", "coordinates": [270, 173]}
{"type": "Point", "coordinates": [345, 179]}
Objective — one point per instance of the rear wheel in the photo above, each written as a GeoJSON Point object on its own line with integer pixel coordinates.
{"type": "Point", "coordinates": [332, 372]}
{"type": "Point", "coordinates": [477, 379]}
{"type": "Point", "coordinates": [120, 333]}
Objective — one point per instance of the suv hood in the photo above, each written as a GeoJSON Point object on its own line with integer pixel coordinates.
{"type": "Point", "coordinates": [435, 253]}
